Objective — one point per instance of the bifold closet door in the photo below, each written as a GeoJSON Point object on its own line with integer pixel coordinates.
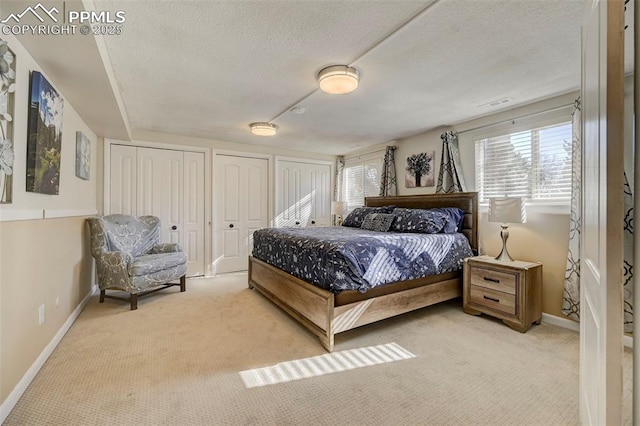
{"type": "Point", "coordinates": [164, 183]}
{"type": "Point", "coordinates": [293, 194]}
{"type": "Point", "coordinates": [160, 190]}
{"type": "Point", "coordinates": [303, 194]}
{"type": "Point", "coordinates": [122, 191]}
{"type": "Point", "coordinates": [320, 178]}
{"type": "Point", "coordinates": [241, 194]}
{"type": "Point", "coordinates": [194, 219]}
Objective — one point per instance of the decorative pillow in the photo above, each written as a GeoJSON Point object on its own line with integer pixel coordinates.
{"type": "Point", "coordinates": [418, 220]}
{"type": "Point", "coordinates": [356, 217]}
{"type": "Point", "coordinates": [455, 217]}
{"type": "Point", "coordinates": [380, 222]}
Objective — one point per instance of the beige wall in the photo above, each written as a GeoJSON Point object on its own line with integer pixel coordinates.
{"type": "Point", "coordinates": [41, 261]}
{"type": "Point", "coordinates": [544, 238]}
{"type": "Point", "coordinates": [75, 193]}
{"type": "Point", "coordinates": [47, 260]}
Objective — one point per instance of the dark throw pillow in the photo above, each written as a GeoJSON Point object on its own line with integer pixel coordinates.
{"type": "Point", "coordinates": [356, 217]}
{"type": "Point", "coordinates": [455, 217]}
{"type": "Point", "coordinates": [419, 221]}
{"type": "Point", "coordinates": [380, 222]}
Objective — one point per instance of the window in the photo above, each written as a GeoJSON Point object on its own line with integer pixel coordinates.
{"type": "Point", "coordinates": [361, 179]}
{"type": "Point", "coordinates": [534, 164]}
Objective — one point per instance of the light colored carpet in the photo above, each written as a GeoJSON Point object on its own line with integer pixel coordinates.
{"type": "Point", "coordinates": [319, 365]}
{"type": "Point", "coordinates": [176, 361]}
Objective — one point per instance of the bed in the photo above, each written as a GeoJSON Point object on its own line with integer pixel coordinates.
{"type": "Point", "coordinates": [326, 313]}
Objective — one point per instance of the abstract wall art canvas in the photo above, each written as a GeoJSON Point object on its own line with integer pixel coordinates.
{"type": "Point", "coordinates": [420, 170]}
{"type": "Point", "coordinates": [7, 94]}
{"type": "Point", "coordinates": [83, 156]}
{"type": "Point", "coordinates": [44, 136]}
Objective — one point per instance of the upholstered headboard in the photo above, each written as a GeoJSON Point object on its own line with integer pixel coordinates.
{"type": "Point", "coordinates": [466, 201]}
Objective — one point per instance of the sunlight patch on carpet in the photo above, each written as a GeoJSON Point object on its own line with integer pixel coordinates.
{"type": "Point", "coordinates": [324, 364]}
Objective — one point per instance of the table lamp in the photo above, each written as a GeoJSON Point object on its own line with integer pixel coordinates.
{"type": "Point", "coordinates": [506, 210]}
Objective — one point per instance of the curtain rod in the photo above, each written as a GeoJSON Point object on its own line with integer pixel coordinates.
{"type": "Point", "coordinates": [517, 118]}
{"type": "Point", "coordinates": [364, 154]}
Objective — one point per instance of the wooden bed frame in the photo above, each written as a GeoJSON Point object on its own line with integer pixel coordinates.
{"type": "Point", "coordinates": [326, 314]}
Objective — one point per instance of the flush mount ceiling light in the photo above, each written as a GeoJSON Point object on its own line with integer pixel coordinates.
{"type": "Point", "coordinates": [338, 79]}
{"type": "Point", "coordinates": [263, 129]}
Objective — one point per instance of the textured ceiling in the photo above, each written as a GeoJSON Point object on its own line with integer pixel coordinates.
{"type": "Point", "coordinates": [209, 68]}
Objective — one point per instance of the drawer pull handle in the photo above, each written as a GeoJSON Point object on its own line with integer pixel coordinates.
{"type": "Point", "coordinates": [493, 280]}
{"type": "Point", "coordinates": [492, 299]}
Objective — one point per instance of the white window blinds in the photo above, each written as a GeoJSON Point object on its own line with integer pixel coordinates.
{"type": "Point", "coordinates": [361, 179]}
{"type": "Point", "coordinates": [534, 164]}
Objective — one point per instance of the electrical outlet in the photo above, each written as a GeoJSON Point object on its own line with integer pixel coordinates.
{"type": "Point", "coordinates": [57, 302]}
{"type": "Point", "coordinates": [41, 315]}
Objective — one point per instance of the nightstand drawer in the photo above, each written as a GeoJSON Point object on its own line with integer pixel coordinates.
{"type": "Point", "coordinates": [498, 300]}
{"type": "Point", "coordinates": [494, 280]}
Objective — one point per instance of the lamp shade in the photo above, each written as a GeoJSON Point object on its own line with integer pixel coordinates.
{"type": "Point", "coordinates": [338, 207]}
{"type": "Point", "coordinates": [507, 210]}
{"type": "Point", "coordinates": [338, 79]}
{"type": "Point", "coordinates": [263, 129]}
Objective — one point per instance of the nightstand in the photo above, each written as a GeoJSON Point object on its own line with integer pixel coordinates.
{"type": "Point", "coordinates": [510, 291]}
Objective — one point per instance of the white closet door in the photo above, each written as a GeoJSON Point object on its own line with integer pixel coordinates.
{"type": "Point", "coordinates": [164, 183]}
{"type": "Point", "coordinates": [122, 193]}
{"type": "Point", "coordinates": [303, 194]}
{"type": "Point", "coordinates": [293, 194]}
{"type": "Point", "coordinates": [320, 177]}
{"type": "Point", "coordinates": [194, 221]}
{"type": "Point", "coordinates": [160, 190]}
{"type": "Point", "coordinates": [241, 188]}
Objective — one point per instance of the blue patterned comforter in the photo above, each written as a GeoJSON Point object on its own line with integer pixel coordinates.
{"type": "Point", "coordinates": [344, 258]}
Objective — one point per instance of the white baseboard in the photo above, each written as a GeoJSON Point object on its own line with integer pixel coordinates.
{"type": "Point", "coordinates": [575, 326]}
{"type": "Point", "coordinates": [561, 322]}
{"type": "Point", "coordinates": [16, 393]}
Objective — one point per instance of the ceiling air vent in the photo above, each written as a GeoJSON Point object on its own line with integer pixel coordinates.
{"type": "Point", "coordinates": [495, 103]}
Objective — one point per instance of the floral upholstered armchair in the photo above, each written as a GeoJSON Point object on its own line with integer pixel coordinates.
{"type": "Point", "coordinates": [130, 258]}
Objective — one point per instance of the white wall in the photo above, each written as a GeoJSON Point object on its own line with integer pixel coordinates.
{"type": "Point", "coordinates": [75, 194]}
{"type": "Point", "coordinates": [227, 146]}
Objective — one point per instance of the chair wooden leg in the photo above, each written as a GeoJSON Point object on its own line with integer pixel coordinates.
{"type": "Point", "coordinates": [102, 296]}
{"type": "Point", "coordinates": [134, 301]}
{"type": "Point", "coordinates": [183, 283]}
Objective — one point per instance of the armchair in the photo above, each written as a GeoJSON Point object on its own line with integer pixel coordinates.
{"type": "Point", "coordinates": [130, 258]}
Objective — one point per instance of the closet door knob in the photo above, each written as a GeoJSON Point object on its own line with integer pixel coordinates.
{"type": "Point", "coordinates": [313, 222]}
{"type": "Point", "coordinates": [231, 225]}
{"type": "Point", "coordinates": [174, 227]}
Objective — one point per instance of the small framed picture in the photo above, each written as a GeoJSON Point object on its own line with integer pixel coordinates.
{"type": "Point", "coordinates": [44, 137]}
{"type": "Point", "coordinates": [419, 170]}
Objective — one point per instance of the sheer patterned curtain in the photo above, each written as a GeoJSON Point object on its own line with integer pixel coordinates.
{"type": "Point", "coordinates": [338, 184]}
{"type": "Point", "coordinates": [450, 178]}
{"type": "Point", "coordinates": [571, 294]}
{"type": "Point", "coordinates": [388, 181]}
{"type": "Point", "coordinates": [628, 257]}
